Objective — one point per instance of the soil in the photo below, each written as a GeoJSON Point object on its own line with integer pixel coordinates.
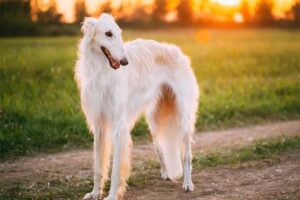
{"type": "Point", "coordinates": [253, 180]}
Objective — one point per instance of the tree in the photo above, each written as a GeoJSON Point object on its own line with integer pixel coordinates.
{"type": "Point", "coordinates": [160, 9]}
{"type": "Point", "coordinates": [263, 12]}
{"type": "Point", "coordinates": [245, 10]}
{"type": "Point", "coordinates": [80, 11]}
{"type": "Point", "coordinates": [106, 7]}
{"type": "Point", "coordinates": [15, 18]}
{"type": "Point", "coordinates": [296, 13]}
{"type": "Point", "coordinates": [20, 8]}
{"type": "Point", "coordinates": [185, 12]}
{"type": "Point", "coordinates": [204, 5]}
{"type": "Point", "coordinates": [50, 16]}
{"type": "Point", "coordinates": [139, 15]}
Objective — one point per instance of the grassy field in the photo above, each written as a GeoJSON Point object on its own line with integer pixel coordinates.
{"type": "Point", "coordinates": [245, 76]}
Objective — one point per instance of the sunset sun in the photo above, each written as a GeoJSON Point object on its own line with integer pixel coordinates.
{"type": "Point", "coordinates": [228, 2]}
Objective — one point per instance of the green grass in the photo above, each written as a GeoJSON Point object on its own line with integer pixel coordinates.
{"type": "Point", "coordinates": [262, 149]}
{"type": "Point", "coordinates": [245, 76]}
{"type": "Point", "coordinates": [57, 188]}
{"type": "Point", "coordinates": [75, 188]}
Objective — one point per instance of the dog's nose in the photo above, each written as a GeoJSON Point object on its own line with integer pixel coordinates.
{"type": "Point", "coordinates": [124, 61]}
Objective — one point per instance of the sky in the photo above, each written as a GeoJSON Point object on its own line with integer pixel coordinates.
{"type": "Point", "coordinates": [66, 6]}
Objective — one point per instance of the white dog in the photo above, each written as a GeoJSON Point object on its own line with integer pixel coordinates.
{"type": "Point", "coordinates": [157, 79]}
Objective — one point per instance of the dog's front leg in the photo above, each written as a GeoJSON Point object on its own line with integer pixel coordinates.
{"type": "Point", "coordinates": [102, 150]}
{"type": "Point", "coordinates": [121, 160]}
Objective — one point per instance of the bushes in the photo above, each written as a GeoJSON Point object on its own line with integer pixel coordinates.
{"type": "Point", "coordinates": [16, 18]}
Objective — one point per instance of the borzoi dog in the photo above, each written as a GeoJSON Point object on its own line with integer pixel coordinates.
{"type": "Point", "coordinates": [117, 83]}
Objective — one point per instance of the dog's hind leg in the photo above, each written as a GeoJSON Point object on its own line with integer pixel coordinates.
{"type": "Point", "coordinates": [102, 151]}
{"type": "Point", "coordinates": [159, 153]}
{"type": "Point", "coordinates": [187, 162]}
{"type": "Point", "coordinates": [186, 127]}
{"type": "Point", "coordinates": [153, 129]}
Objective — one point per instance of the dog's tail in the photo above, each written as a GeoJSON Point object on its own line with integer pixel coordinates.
{"type": "Point", "coordinates": [164, 126]}
{"type": "Point", "coordinates": [170, 146]}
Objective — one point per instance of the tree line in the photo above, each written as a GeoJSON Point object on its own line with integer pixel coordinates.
{"type": "Point", "coordinates": [186, 15]}
{"type": "Point", "coordinates": [26, 17]}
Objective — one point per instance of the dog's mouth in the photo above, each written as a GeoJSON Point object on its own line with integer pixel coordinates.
{"type": "Point", "coordinates": [113, 63]}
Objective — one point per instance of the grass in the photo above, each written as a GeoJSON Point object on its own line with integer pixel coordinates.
{"type": "Point", "coordinates": [246, 76]}
{"type": "Point", "coordinates": [262, 149]}
{"type": "Point", "coordinates": [60, 188]}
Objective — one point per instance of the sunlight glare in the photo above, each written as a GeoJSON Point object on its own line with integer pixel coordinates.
{"type": "Point", "coordinates": [228, 2]}
{"type": "Point", "coordinates": [238, 18]}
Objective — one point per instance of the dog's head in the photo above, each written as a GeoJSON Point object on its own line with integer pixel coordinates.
{"type": "Point", "coordinates": [106, 37]}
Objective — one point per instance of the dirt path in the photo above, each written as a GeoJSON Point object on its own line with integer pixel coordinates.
{"type": "Point", "coordinates": [280, 179]}
{"type": "Point", "coordinates": [255, 180]}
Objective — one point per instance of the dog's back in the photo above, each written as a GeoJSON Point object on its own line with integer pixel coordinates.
{"type": "Point", "coordinates": [153, 52]}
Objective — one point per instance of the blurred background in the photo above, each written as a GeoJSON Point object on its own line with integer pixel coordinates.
{"type": "Point", "coordinates": [56, 17]}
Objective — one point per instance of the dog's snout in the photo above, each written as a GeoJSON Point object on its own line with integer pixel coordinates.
{"type": "Point", "coordinates": [124, 61]}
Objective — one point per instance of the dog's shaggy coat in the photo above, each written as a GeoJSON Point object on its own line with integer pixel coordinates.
{"type": "Point", "coordinates": [158, 80]}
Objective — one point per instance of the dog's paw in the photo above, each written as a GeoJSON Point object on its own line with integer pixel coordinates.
{"type": "Point", "coordinates": [92, 196]}
{"type": "Point", "coordinates": [110, 198]}
{"type": "Point", "coordinates": [188, 186]}
{"type": "Point", "coordinates": [164, 175]}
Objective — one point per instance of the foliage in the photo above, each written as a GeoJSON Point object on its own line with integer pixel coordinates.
{"type": "Point", "coordinates": [28, 17]}
{"type": "Point", "coordinates": [80, 11]}
{"type": "Point", "coordinates": [49, 16]}
{"type": "Point", "coordinates": [245, 10]}
{"type": "Point", "coordinates": [105, 7]}
{"type": "Point", "coordinates": [254, 81]}
{"type": "Point", "coordinates": [185, 12]}
{"type": "Point", "coordinates": [139, 15]}
{"type": "Point", "coordinates": [296, 13]}
{"type": "Point", "coordinates": [15, 18]}
{"type": "Point", "coordinates": [160, 10]}
{"type": "Point", "coordinates": [263, 12]}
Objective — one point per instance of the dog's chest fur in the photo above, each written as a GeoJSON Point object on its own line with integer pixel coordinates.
{"type": "Point", "coordinates": [102, 92]}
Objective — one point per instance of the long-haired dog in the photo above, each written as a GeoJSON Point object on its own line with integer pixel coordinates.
{"type": "Point", "coordinates": [117, 83]}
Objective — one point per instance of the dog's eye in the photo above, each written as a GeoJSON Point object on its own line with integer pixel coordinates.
{"type": "Point", "coordinates": [108, 34]}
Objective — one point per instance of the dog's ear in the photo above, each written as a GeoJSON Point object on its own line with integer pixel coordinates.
{"type": "Point", "coordinates": [88, 27]}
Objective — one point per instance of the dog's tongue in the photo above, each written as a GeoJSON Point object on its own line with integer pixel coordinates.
{"type": "Point", "coordinates": [116, 64]}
